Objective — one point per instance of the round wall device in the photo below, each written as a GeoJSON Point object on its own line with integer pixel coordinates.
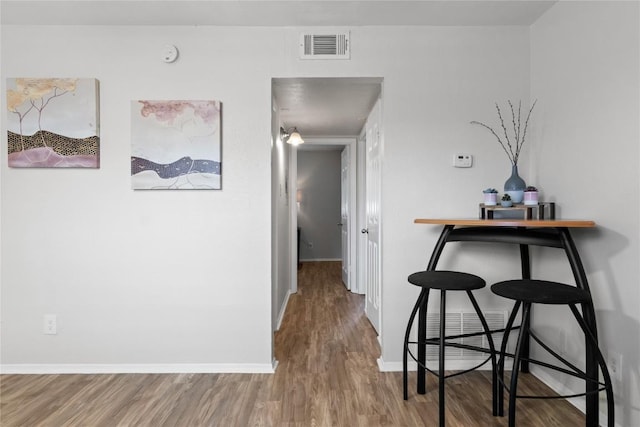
{"type": "Point", "coordinates": [169, 53]}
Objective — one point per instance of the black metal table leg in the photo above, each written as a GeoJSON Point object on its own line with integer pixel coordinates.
{"type": "Point", "coordinates": [588, 313]}
{"type": "Point", "coordinates": [525, 262]}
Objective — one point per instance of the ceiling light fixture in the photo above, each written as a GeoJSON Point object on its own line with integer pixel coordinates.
{"type": "Point", "coordinates": [292, 136]}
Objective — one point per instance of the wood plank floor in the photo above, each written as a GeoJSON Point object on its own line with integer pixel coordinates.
{"type": "Point", "coordinates": [327, 376]}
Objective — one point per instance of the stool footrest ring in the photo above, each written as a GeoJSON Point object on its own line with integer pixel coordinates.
{"type": "Point", "coordinates": [435, 341]}
{"type": "Point", "coordinates": [564, 396]}
{"type": "Point", "coordinates": [455, 374]}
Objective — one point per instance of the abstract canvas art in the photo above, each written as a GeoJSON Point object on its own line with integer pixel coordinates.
{"type": "Point", "coordinates": [175, 145]}
{"type": "Point", "coordinates": [53, 123]}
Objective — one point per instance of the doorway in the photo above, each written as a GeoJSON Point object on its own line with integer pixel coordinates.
{"type": "Point", "coordinates": [326, 112]}
{"type": "Point", "coordinates": [326, 204]}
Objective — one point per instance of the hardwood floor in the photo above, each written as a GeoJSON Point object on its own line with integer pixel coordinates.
{"type": "Point", "coordinates": [327, 376]}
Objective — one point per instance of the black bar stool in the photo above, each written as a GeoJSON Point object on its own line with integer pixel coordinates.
{"type": "Point", "coordinates": [526, 292]}
{"type": "Point", "coordinates": [445, 281]}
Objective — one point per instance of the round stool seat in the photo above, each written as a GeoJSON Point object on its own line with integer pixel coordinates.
{"type": "Point", "coordinates": [443, 281]}
{"type": "Point", "coordinates": [446, 280]}
{"type": "Point", "coordinates": [526, 293]}
{"type": "Point", "coordinates": [540, 292]}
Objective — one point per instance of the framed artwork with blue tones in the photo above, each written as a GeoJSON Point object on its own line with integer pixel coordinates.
{"type": "Point", "coordinates": [53, 123]}
{"type": "Point", "coordinates": [175, 145]}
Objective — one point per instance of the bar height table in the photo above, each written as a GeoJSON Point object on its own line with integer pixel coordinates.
{"type": "Point", "coordinates": [522, 232]}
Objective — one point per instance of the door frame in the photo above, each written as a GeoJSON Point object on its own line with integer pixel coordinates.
{"type": "Point", "coordinates": [351, 144]}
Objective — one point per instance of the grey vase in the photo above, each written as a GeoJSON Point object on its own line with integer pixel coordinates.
{"type": "Point", "coordinates": [514, 186]}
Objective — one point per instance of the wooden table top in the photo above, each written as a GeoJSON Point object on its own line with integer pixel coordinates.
{"type": "Point", "coordinates": [569, 223]}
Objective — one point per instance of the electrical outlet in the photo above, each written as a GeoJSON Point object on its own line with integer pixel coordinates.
{"type": "Point", "coordinates": [50, 324]}
{"type": "Point", "coordinates": [614, 363]}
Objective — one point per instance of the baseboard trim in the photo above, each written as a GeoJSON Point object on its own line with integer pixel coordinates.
{"type": "Point", "coordinates": [212, 368]}
{"type": "Point", "coordinates": [320, 259]}
{"type": "Point", "coordinates": [282, 310]}
{"type": "Point", "coordinates": [560, 388]}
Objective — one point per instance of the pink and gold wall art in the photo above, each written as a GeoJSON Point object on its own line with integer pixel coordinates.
{"type": "Point", "coordinates": [53, 123]}
{"type": "Point", "coordinates": [175, 145]}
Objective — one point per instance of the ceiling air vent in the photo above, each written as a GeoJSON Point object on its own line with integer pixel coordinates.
{"type": "Point", "coordinates": [325, 46]}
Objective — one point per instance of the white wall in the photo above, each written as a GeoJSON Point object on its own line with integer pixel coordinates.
{"type": "Point", "coordinates": [181, 278]}
{"type": "Point", "coordinates": [585, 74]}
{"type": "Point", "coordinates": [280, 222]}
{"type": "Point", "coordinates": [164, 279]}
{"type": "Point", "coordinates": [319, 212]}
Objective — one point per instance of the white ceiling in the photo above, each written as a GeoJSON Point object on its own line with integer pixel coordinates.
{"type": "Point", "coordinates": [317, 106]}
{"type": "Point", "coordinates": [272, 12]}
{"type": "Point", "coordinates": [326, 106]}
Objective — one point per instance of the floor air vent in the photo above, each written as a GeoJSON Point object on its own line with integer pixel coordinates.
{"type": "Point", "coordinates": [463, 323]}
{"type": "Point", "coordinates": [325, 46]}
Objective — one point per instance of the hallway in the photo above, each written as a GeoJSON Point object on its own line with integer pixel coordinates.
{"type": "Point", "coordinates": [327, 352]}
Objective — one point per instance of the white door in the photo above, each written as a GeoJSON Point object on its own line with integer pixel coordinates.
{"type": "Point", "coordinates": [344, 215]}
{"type": "Point", "coordinates": [372, 230]}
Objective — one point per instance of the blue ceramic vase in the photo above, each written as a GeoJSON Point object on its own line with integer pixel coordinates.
{"type": "Point", "coordinates": [514, 186]}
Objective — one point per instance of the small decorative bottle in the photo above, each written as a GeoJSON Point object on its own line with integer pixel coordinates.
{"type": "Point", "coordinates": [514, 186]}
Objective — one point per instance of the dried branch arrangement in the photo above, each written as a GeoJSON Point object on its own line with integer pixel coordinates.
{"type": "Point", "coordinates": [511, 145]}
